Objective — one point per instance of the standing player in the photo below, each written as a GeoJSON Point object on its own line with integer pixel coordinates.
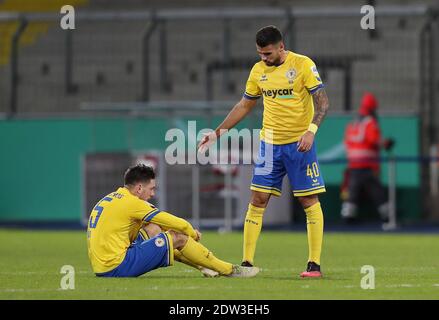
{"type": "Point", "coordinates": [295, 104]}
{"type": "Point", "coordinates": [121, 245]}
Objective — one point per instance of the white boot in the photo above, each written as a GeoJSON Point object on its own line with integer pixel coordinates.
{"type": "Point", "coordinates": [243, 272]}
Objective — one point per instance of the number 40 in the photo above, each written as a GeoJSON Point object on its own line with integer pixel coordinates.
{"type": "Point", "coordinates": [313, 170]}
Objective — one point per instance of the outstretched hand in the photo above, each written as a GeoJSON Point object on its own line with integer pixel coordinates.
{"type": "Point", "coordinates": [208, 139]}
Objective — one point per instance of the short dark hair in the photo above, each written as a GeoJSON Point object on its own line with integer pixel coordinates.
{"type": "Point", "coordinates": [268, 35]}
{"type": "Point", "coordinates": [138, 173]}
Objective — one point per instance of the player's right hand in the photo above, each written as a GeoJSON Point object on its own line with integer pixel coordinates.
{"type": "Point", "coordinates": [305, 142]}
{"type": "Point", "coordinates": [206, 141]}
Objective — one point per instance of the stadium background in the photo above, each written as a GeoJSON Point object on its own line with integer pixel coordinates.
{"type": "Point", "coordinates": [130, 71]}
{"type": "Point", "coordinates": [78, 106]}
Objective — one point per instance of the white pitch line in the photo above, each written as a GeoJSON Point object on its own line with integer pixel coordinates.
{"type": "Point", "coordinates": [155, 288]}
{"type": "Point", "coordinates": [28, 290]}
{"type": "Point", "coordinates": [27, 273]}
{"type": "Point", "coordinates": [18, 273]}
{"type": "Point", "coordinates": [403, 285]}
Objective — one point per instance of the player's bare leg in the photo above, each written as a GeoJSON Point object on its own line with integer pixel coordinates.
{"type": "Point", "coordinates": [152, 230]}
{"type": "Point", "coordinates": [260, 199]}
{"type": "Point", "coordinates": [314, 225]}
{"type": "Point", "coordinates": [253, 225]}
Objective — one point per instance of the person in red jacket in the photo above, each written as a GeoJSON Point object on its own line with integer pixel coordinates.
{"type": "Point", "coordinates": [363, 143]}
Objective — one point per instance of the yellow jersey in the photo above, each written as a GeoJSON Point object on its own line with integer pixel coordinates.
{"type": "Point", "coordinates": [286, 90]}
{"type": "Point", "coordinates": [113, 225]}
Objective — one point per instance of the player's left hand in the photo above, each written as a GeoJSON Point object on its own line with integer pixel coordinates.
{"type": "Point", "coordinates": [198, 235]}
{"type": "Point", "coordinates": [305, 142]}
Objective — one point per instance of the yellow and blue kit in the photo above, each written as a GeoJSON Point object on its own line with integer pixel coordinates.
{"type": "Point", "coordinates": [288, 111]}
{"type": "Point", "coordinates": [117, 244]}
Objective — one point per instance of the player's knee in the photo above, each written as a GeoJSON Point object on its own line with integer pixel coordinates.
{"type": "Point", "coordinates": [178, 239]}
{"type": "Point", "coordinates": [152, 230]}
{"type": "Point", "coordinates": [260, 199]}
{"type": "Point", "coordinates": [308, 201]}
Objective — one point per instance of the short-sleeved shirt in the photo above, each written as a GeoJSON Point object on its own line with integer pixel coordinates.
{"type": "Point", "coordinates": [286, 90]}
{"type": "Point", "coordinates": [113, 225]}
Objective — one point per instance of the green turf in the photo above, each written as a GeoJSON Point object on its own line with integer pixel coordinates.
{"type": "Point", "coordinates": [406, 267]}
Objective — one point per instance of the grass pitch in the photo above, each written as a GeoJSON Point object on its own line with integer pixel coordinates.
{"type": "Point", "coordinates": [406, 267]}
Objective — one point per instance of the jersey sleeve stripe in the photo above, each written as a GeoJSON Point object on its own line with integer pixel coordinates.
{"type": "Point", "coordinates": [314, 89]}
{"type": "Point", "coordinates": [151, 215]}
{"type": "Point", "coordinates": [251, 97]}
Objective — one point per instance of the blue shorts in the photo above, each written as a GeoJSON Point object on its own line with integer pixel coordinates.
{"type": "Point", "coordinates": [302, 168]}
{"type": "Point", "coordinates": [144, 255]}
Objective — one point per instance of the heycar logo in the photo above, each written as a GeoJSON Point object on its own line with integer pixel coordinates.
{"type": "Point", "coordinates": [278, 93]}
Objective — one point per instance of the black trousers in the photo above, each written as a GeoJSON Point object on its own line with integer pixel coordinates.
{"type": "Point", "coordinates": [365, 181]}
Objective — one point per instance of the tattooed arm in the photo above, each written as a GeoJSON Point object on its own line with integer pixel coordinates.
{"type": "Point", "coordinates": [321, 106]}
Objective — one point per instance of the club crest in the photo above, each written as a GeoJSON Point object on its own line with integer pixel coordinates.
{"type": "Point", "coordinates": [159, 242]}
{"type": "Point", "coordinates": [291, 75]}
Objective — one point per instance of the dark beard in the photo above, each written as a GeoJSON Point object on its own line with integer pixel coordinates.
{"type": "Point", "coordinates": [277, 63]}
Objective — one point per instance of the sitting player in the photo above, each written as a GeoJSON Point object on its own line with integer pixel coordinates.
{"type": "Point", "coordinates": [125, 235]}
